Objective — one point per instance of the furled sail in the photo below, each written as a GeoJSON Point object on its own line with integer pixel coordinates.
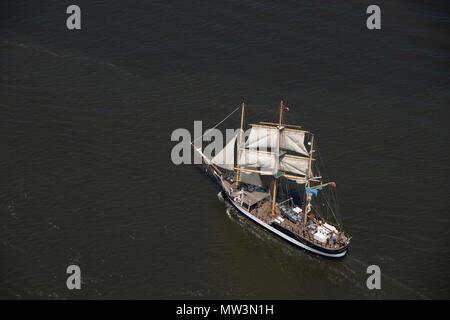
{"type": "Point", "coordinates": [294, 165]}
{"type": "Point", "coordinates": [298, 181]}
{"type": "Point", "coordinates": [225, 158]}
{"type": "Point", "coordinates": [267, 162]}
{"type": "Point", "coordinates": [264, 138]}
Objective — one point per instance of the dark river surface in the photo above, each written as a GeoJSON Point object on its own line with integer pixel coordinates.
{"type": "Point", "coordinates": [86, 117]}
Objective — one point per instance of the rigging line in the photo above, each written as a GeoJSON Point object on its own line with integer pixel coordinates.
{"type": "Point", "coordinates": [333, 197]}
{"type": "Point", "coordinates": [329, 204]}
{"type": "Point", "coordinates": [332, 211]}
{"type": "Point", "coordinates": [193, 142]}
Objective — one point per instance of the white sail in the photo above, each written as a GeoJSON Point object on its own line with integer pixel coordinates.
{"type": "Point", "coordinates": [293, 141]}
{"type": "Point", "coordinates": [266, 162]}
{"type": "Point", "coordinates": [297, 166]}
{"type": "Point", "coordinates": [264, 138]}
{"type": "Point", "coordinates": [225, 158]}
{"type": "Point", "coordinates": [269, 162]}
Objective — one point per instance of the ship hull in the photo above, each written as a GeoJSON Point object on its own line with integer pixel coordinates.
{"type": "Point", "coordinates": [289, 236]}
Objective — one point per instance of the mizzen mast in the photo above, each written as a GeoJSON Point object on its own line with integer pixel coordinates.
{"type": "Point", "coordinates": [308, 195]}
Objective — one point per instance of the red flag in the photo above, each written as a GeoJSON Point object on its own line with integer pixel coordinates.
{"type": "Point", "coordinates": [285, 108]}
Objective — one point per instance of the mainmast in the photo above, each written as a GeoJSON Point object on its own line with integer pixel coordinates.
{"type": "Point", "coordinates": [308, 195]}
{"type": "Point", "coordinates": [239, 146]}
{"type": "Point", "coordinates": [275, 179]}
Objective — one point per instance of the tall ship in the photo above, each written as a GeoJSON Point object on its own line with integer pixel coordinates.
{"type": "Point", "coordinates": [272, 174]}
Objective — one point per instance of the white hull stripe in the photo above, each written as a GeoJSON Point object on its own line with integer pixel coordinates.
{"type": "Point", "coordinates": [284, 236]}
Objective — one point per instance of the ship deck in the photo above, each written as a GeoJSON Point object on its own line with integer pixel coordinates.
{"type": "Point", "coordinates": [260, 206]}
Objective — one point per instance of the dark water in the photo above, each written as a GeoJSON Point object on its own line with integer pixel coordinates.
{"type": "Point", "coordinates": [85, 124]}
